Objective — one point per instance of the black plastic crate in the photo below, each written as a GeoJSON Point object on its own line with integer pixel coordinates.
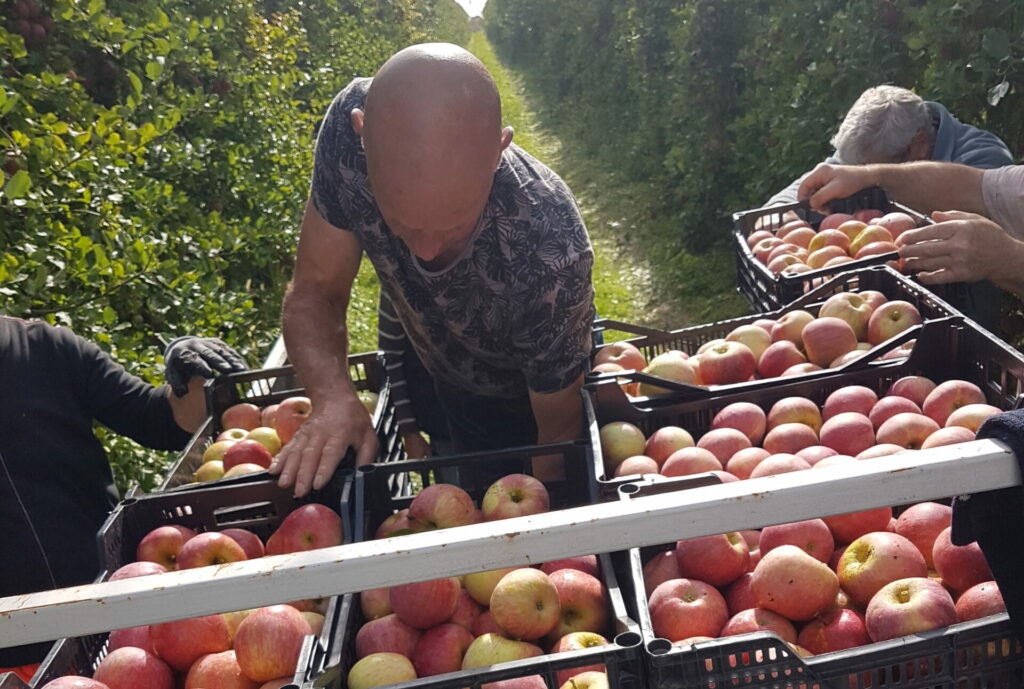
{"type": "Point", "coordinates": [979, 654]}
{"type": "Point", "coordinates": [382, 489]}
{"type": "Point", "coordinates": [257, 505]}
{"type": "Point", "coordinates": [766, 291]}
{"type": "Point", "coordinates": [945, 349]}
{"type": "Point", "coordinates": [264, 387]}
{"type": "Point", "coordinates": [9, 680]}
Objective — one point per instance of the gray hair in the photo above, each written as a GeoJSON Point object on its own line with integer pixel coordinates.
{"type": "Point", "coordinates": [880, 126]}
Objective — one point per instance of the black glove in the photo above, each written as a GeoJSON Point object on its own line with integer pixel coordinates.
{"type": "Point", "coordinates": [190, 356]}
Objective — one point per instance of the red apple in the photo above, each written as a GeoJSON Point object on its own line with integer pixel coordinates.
{"type": "Point", "coordinates": [305, 528]}
{"type": "Point", "coordinates": [834, 220]}
{"type": "Point", "coordinates": [466, 610]}
{"type": "Point", "coordinates": [847, 528]}
{"type": "Point", "coordinates": [619, 441]}
{"type": "Point", "coordinates": [440, 650]}
{"type": "Point", "coordinates": [219, 670]}
{"type": "Point", "coordinates": [908, 606]}
{"type": "Point", "coordinates": [981, 600]}
{"type": "Point", "coordinates": [948, 397]}
{"type": "Point", "coordinates": [759, 620]}
{"type": "Point", "coordinates": [577, 641]}
{"type": "Point", "coordinates": [826, 238]}
{"type": "Point", "coordinates": [210, 548]}
{"type": "Point", "coordinates": [779, 464]}
{"type": "Point", "coordinates": [960, 566]}
{"type": "Point", "coordinates": [485, 624]}
{"type": "Point", "coordinates": [764, 247]}
{"type": "Point", "coordinates": [745, 417]}
{"type": "Point", "coordinates": [242, 415]}
{"type": "Point", "coordinates": [386, 635]}
{"type": "Point", "coordinates": [723, 443]}
{"type": "Point", "coordinates": [792, 583]}
{"type": "Point", "coordinates": [374, 603]}
{"type": "Point", "coordinates": [291, 414]}
{"type": "Point", "coordinates": [800, 369]}
{"type": "Point", "coordinates": [129, 668]}
{"type": "Point", "coordinates": [515, 495]}
{"type": "Point", "coordinates": [922, 523]}
{"type": "Point", "coordinates": [825, 339]}
{"type": "Point", "coordinates": [896, 222]}
{"type": "Point", "coordinates": [424, 604]}
{"type": "Point", "coordinates": [835, 630]}
{"type": "Point", "coordinates": [790, 438]}
{"type": "Point", "coordinates": [888, 407]}
{"type": "Point", "coordinates": [247, 451]}
{"type": "Point", "coordinates": [75, 682]}
{"type": "Point", "coordinates": [250, 542]}
{"type": "Point", "coordinates": [743, 462]}
{"type": "Point", "coordinates": [582, 601]}
{"type": "Point", "coordinates": [728, 362]}
{"type": "Point", "coordinates": [914, 388]}
{"type": "Point", "coordinates": [790, 326]}
{"type": "Point", "coordinates": [717, 560]}
{"type": "Point", "coordinates": [795, 410]}
{"type": "Point", "coordinates": [636, 465]}
{"type": "Point", "coordinates": [801, 237]}
{"type": "Point", "coordinates": [380, 669]}
{"type": "Point", "coordinates": [812, 536]}
{"type": "Point", "coordinates": [136, 637]}
{"type": "Point", "coordinates": [624, 354]}
{"type": "Point", "coordinates": [755, 237]}
{"type": "Point", "coordinates": [584, 563]}
{"type": "Point", "coordinates": [883, 450]}
{"type": "Point", "coordinates": [660, 568]}
{"type": "Point", "coordinates": [664, 441]}
{"type": "Point", "coordinates": [819, 258]}
{"type": "Point", "coordinates": [180, 643]}
{"type": "Point", "coordinates": [852, 398]}
{"type": "Point", "coordinates": [850, 307]}
{"type": "Point", "coordinates": [525, 603]}
{"type": "Point", "coordinates": [739, 595]}
{"type": "Point", "coordinates": [890, 319]}
{"type": "Point", "coordinates": [876, 559]}
{"type": "Point", "coordinates": [690, 460]}
{"type": "Point", "coordinates": [815, 453]}
{"type": "Point", "coordinates": [268, 642]}
{"type": "Point", "coordinates": [137, 569]}
{"type": "Point", "coordinates": [682, 608]}
{"type": "Point", "coordinates": [907, 430]}
{"type": "Point", "coordinates": [971, 416]}
{"type": "Point", "coordinates": [778, 358]}
{"type": "Point", "coordinates": [162, 544]}
{"type": "Point", "coordinates": [848, 433]}
{"type": "Point", "coordinates": [950, 435]}
{"type": "Point", "coordinates": [267, 415]}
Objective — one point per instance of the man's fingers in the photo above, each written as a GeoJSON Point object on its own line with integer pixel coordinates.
{"type": "Point", "coordinates": [930, 249]}
{"type": "Point", "coordinates": [212, 357]}
{"type": "Point", "coordinates": [367, 451]}
{"type": "Point", "coordinates": [938, 277]}
{"type": "Point", "coordinates": [927, 263]}
{"type": "Point", "coordinates": [945, 216]}
{"type": "Point", "coordinates": [928, 233]}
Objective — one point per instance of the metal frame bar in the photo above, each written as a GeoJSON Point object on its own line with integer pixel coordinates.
{"type": "Point", "coordinates": [957, 469]}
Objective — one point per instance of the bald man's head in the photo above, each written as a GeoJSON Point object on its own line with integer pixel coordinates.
{"type": "Point", "coordinates": [433, 139]}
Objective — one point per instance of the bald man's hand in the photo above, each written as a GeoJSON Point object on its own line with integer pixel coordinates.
{"type": "Point", "coordinates": [311, 457]}
{"type": "Point", "coordinates": [830, 182]}
{"type": "Point", "coordinates": [959, 247]}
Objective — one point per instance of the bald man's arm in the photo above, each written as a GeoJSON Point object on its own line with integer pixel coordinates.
{"type": "Point", "coordinates": [316, 337]}
{"type": "Point", "coordinates": [559, 417]}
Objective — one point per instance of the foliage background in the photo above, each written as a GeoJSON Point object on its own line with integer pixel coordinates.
{"type": "Point", "coordinates": [156, 156]}
{"type": "Point", "coordinates": [720, 103]}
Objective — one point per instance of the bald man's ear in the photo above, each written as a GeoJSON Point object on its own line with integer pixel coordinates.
{"type": "Point", "coordinates": [357, 121]}
{"type": "Point", "coordinates": [506, 137]}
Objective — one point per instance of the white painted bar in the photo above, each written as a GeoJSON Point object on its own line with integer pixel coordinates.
{"type": "Point", "coordinates": [940, 472]}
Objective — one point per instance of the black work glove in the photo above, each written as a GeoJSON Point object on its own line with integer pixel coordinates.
{"type": "Point", "coordinates": [190, 356]}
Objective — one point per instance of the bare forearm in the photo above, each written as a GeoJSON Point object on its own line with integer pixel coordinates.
{"type": "Point", "coordinates": [931, 186]}
{"type": "Point", "coordinates": [317, 343]}
{"type": "Point", "coordinates": [1010, 277]}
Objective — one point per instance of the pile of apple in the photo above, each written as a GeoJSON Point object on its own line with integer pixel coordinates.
{"type": "Point", "coordinates": [485, 618]}
{"type": "Point", "coordinates": [796, 247]}
{"type": "Point", "coordinates": [822, 585]}
{"type": "Point", "coordinates": [248, 649]}
{"type": "Point", "coordinates": [847, 325]}
{"type": "Point", "coordinates": [795, 434]}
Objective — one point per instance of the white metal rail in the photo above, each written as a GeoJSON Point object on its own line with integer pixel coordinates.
{"type": "Point", "coordinates": [958, 469]}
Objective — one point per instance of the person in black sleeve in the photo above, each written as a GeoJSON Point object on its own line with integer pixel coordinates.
{"type": "Point", "coordinates": [56, 485]}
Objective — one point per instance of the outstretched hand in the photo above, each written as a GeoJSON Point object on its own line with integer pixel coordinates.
{"type": "Point", "coordinates": [959, 247]}
{"type": "Point", "coordinates": [829, 182]}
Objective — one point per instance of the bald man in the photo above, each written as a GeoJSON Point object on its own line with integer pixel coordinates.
{"type": "Point", "coordinates": [479, 247]}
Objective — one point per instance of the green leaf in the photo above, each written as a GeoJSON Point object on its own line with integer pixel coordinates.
{"type": "Point", "coordinates": [17, 185]}
{"type": "Point", "coordinates": [95, 7]}
{"type": "Point", "coordinates": [9, 103]}
{"type": "Point", "coordinates": [996, 43]}
{"type": "Point", "coordinates": [127, 46]}
{"type": "Point", "coordinates": [154, 70]}
{"type": "Point", "coordinates": [136, 82]}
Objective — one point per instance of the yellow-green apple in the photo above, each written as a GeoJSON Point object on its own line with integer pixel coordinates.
{"type": "Point", "coordinates": [75, 682]}
{"type": "Point", "coordinates": [800, 369]}
{"type": "Point", "coordinates": [587, 680]}
{"type": "Point", "coordinates": [764, 247]}
{"type": "Point", "coordinates": [424, 604]}
{"type": "Point", "coordinates": [662, 567]}
{"type": "Point", "coordinates": [670, 365]}
{"type": "Point", "coordinates": [243, 469]}
{"type": "Point", "coordinates": [759, 620]}
{"type": "Point", "coordinates": [869, 235]}
{"type": "Point", "coordinates": [848, 433]}
{"type": "Point", "coordinates": [582, 601]}
{"type": "Point", "coordinates": [867, 215]}
{"type": "Point", "coordinates": [745, 417]}
{"type": "Point", "coordinates": [209, 471]}
{"type": "Point", "coordinates": [219, 670]}
{"type": "Point", "coordinates": [216, 450]}
{"type": "Point", "coordinates": [242, 415]}
{"type": "Point", "coordinates": [690, 460]}
{"type": "Point", "coordinates": [135, 637]}
{"type": "Point", "coordinates": [639, 464]}
{"type": "Point", "coordinates": [728, 362]}
{"type": "Point", "coordinates": [268, 642]}
{"type": "Point", "coordinates": [440, 650]}
{"type": "Point", "coordinates": [801, 237]}
{"type": "Point", "coordinates": [834, 220]}
{"type": "Point", "coordinates": [480, 585]}
{"type": "Point", "coordinates": [664, 441]}
{"type": "Point", "coordinates": [247, 452]}
{"type": "Point", "coordinates": [577, 641]}
{"type": "Point", "coordinates": [795, 410]}
{"type": "Point", "coordinates": [819, 258]}
{"type": "Point", "coordinates": [876, 249]}
{"type": "Point", "coordinates": [492, 649]}
{"type": "Point", "coordinates": [756, 339]}
{"type": "Point", "coordinates": [235, 434]}
{"type": "Point", "coordinates": [815, 453]}
{"type": "Point", "coordinates": [981, 600]}
{"type": "Point", "coordinates": [906, 430]}
{"type": "Point", "coordinates": [233, 619]}
{"type": "Point", "coordinates": [922, 523]}
{"type": "Point", "coordinates": [267, 415]}
{"type": "Point", "coordinates": [583, 563]}
{"type": "Point", "coordinates": [909, 606]}
{"type": "Point", "coordinates": [876, 559]}
{"type": "Point", "coordinates": [514, 495]}
{"type": "Point", "coordinates": [162, 544]}
{"type": "Point", "coordinates": [791, 326]}
{"type": "Point", "coordinates": [369, 398]}
{"type": "Point", "coordinates": [307, 527]}
{"type": "Point", "coordinates": [779, 357]}
{"type": "Point", "coordinates": [888, 407]}
{"type": "Point", "coordinates": [717, 560]}
{"type": "Point", "coordinates": [829, 238]}
{"type": "Point", "coordinates": [442, 506]}
{"type": "Point", "coordinates": [896, 222]}
{"type": "Point", "coordinates": [834, 630]}
{"type": "Point", "coordinates": [851, 228]}
{"type": "Point", "coordinates": [267, 437]}
{"type": "Point", "coordinates": [620, 440]}
{"type": "Point", "coordinates": [971, 416]}
{"type": "Point", "coordinates": [374, 603]}
{"type": "Point", "coordinates": [387, 634]}
{"type": "Point", "coordinates": [380, 669]}
{"type": "Point", "coordinates": [949, 396]}
{"type": "Point", "coordinates": [781, 263]}
{"type": "Point", "coordinates": [790, 438]}
{"type": "Point", "coordinates": [743, 462]}
{"type": "Point", "coordinates": [485, 624]}
{"type": "Point", "coordinates": [812, 536]}
{"type": "Point", "coordinates": [883, 450]}
{"type": "Point", "coordinates": [914, 388]}
{"type": "Point", "coordinates": [291, 414]}
{"type": "Point", "coordinates": [130, 667]}
{"type": "Point", "coordinates": [723, 443]}
{"type": "Point", "coordinates": [846, 528]}
{"type": "Point", "coordinates": [738, 594]}
{"type": "Point", "coordinates": [849, 307]}
{"type": "Point", "coordinates": [951, 435]}
{"type": "Point", "coordinates": [960, 566]}
{"type": "Point", "coordinates": [625, 354]}
{"type": "Point", "coordinates": [890, 319]}
{"type": "Point", "coordinates": [210, 548]}
{"type": "Point", "coordinates": [466, 610]}
{"type": "Point", "coordinates": [143, 568]}
{"type": "Point", "coordinates": [825, 339]}
{"type": "Point", "coordinates": [792, 583]}
{"type": "Point", "coordinates": [681, 608]}
{"type": "Point", "coordinates": [181, 643]}
{"type": "Point", "coordinates": [780, 463]}
{"type": "Point", "coordinates": [525, 604]}
{"type": "Point", "coordinates": [250, 542]}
